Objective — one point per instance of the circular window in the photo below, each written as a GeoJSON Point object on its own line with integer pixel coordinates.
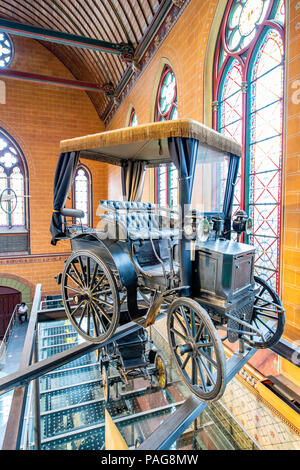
{"type": "Point", "coordinates": [6, 50]}
{"type": "Point", "coordinates": [243, 21]}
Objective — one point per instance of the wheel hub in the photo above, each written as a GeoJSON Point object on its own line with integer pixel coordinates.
{"type": "Point", "coordinates": [189, 347]}
{"type": "Point", "coordinates": [86, 295]}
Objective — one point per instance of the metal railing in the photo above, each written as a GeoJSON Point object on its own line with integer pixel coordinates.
{"type": "Point", "coordinates": [8, 331]}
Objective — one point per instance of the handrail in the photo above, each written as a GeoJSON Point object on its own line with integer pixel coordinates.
{"type": "Point", "coordinates": [8, 330]}
{"type": "Point", "coordinates": [17, 409]}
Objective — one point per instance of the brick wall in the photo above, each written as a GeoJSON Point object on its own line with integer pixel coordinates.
{"type": "Point", "coordinates": [38, 116]}
{"type": "Point", "coordinates": [291, 246]}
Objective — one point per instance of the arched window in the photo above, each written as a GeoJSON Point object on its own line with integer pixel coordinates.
{"type": "Point", "coordinates": [166, 188]}
{"type": "Point", "coordinates": [82, 194]}
{"type": "Point", "coordinates": [13, 187]}
{"type": "Point", "coordinates": [6, 50]}
{"type": "Point", "coordinates": [14, 203]}
{"type": "Point", "coordinates": [133, 120]}
{"type": "Point", "coordinates": [248, 107]}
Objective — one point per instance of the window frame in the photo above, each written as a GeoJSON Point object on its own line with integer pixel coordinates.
{"type": "Point", "coordinates": [246, 58]}
{"type": "Point", "coordinates": [88, 173]}
{"type": "Point", "coordinates": [158, 117]}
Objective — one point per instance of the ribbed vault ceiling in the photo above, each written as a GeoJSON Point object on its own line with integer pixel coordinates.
{"type": "Point", "coordinates": [114, 21]}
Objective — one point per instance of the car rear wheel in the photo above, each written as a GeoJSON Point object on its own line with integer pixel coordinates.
{"type": "Point", "coordinates": [90, 296]}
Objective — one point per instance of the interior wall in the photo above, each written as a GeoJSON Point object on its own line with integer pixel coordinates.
{"type": "Point", "coordinates": [38, 116]}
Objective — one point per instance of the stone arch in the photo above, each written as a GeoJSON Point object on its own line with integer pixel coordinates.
{"type": "Point", "coordinates": [20, 284]}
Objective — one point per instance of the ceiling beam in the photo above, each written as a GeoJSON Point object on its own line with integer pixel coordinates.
{"type": "Point", "coordinates": [63, 82]}
{"type": "Point", "coordinates": [67, 39]}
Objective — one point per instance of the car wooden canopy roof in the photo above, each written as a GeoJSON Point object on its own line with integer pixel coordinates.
{"type": "Point", "coordinates": [147, 142]}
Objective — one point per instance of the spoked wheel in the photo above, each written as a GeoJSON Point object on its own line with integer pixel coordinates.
{"type": "Point", "coordinates": [105, 382]}
{"type": "Point", "coordinates": [197, 349]}
{"type": "Point", "coordinates": [268, 316]}
{"type": "Point", "coordinates": [161, 371]}
{"type": "Point", "coordinates": [90, 296]}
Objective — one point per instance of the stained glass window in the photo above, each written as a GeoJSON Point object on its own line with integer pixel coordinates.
{"type": "Point", "coordinates": [6, 50]}
{"type": "Point", "coordinates": [82, 194]}
{"type": "Point", "coordinates": [12, 185]}
{"type": "Point", "coordinates": [248, 95]}
{"type": "Point", "coordinates": [133, 120]}
{"type": "Point", "coordinates": [166, 178]}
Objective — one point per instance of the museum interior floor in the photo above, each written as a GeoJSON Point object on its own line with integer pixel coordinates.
{"type": "Point", "coordinates": [72, 405]}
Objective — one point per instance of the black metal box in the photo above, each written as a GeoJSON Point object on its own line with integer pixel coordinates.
{"type": "Point", "coordinates": [223, 271]}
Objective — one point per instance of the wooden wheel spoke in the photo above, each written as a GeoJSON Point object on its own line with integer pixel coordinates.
{"type": "Point", "coordinates": [101, 301]}
{"type": "Point", "coordinates": [265, 325]}
{"type": "Point", "coordinates": [102, 292]}
{"type": "Point", "coordinates": [100, 319]}
{"type": "Point", "coordinates": [101, 307]}
{"type": "Point", "coordinates": [82, 270]}
{"type": "Point", "coordinates": [267, 315]}
{"type": "Point", "coordinates": [94, 275]}
{"type": "Point", "coordinates": [201, 375]}
{"type": "Point", "coordinates": [88, 271]}
{"type": "Point", "coordinates": [209, 359]}
{"type": "Point", "coordinates": [102, 312]}
{"type": "Point", "coordinates": [180, 324]}
{"type": "Point", "coordinates": [185, 320]}
{"type": "Point", "coordinates": [74, 280]}
{"type": "Point", "coordinates": [96, 329]}
{"type": "Point", "coordinates": [88, 321]}
{"type": "Point", "coordinates": [81, 318]}
{"type": "Point", "coordinates": [207, 371]}
{"type": "Point", "coordinates": [177, 333]}
{"type": "Point", "coordinates": [199, 332]}
{"type": "Point", "coordinates": [194, 371]}
{"type": "Point", "coordinates": [77, 273]}
{"type": "Point", "coordinates": [74, 289]}
{"type": "Point", "coordinates": [98, 282]}
{"type": "Point", "coordinates": [73, 312]}
{"type": "Point", "coordinates": [185, 362]}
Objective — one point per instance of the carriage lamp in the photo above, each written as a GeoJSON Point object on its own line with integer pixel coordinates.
{"type": "Point", "coordinates": [218, 225]}
{"type": "Point", "coordinates": [188, 230]}
{"type": "Point", "coordinates": [242, 223]}
{"type": "Point", "coordinates": [203, 230]}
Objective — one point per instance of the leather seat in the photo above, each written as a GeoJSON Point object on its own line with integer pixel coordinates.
{"type": "Point", "coordinates": [135, 221]}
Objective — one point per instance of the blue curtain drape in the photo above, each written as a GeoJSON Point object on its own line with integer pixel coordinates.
{"type": "Point", "coordinates": [66, 167]}
{"type": "Point", "coordinates": [133, 177]}
{"type": "Point", "coordinates": [183, 152]}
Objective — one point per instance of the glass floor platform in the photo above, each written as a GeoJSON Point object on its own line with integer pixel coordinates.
{"type": "Point", "coordinates": [72, 405]}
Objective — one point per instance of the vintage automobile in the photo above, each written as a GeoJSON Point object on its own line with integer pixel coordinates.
{"type": "Point", "coordinates": [133, 356]}
{"type": "Point", "coordinates": [145, 260]}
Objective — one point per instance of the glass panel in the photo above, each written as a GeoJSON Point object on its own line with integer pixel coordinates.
{"type": "Point", "coordinates": [280, 14]}
{"type": "Point", "coordinates": [3, 186]}
{"type": "Point", "coordinates": [265, 152]}
{"type": "Point", "coordinates": [133, 121]}
{"type": "Point", "coordinates": [166, 110]}
{"type": "Point", "coordinates": [243, 22]}
{"type": "Point", "coordinates": [17, 185]}
{"type": "Point", "coordinates": [82, 194]}
{"type": "Point", "coordinates": [5, 50]}
{"type": "Point", "coordinates": [12, 185]}
{"type": "Point", "coordinates": [230, 117]}
{"type": "Point", "coordinates": [210, 181]}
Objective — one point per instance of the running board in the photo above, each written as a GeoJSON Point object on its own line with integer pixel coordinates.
{"type": "Point", "coordinates": [174, 426]}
